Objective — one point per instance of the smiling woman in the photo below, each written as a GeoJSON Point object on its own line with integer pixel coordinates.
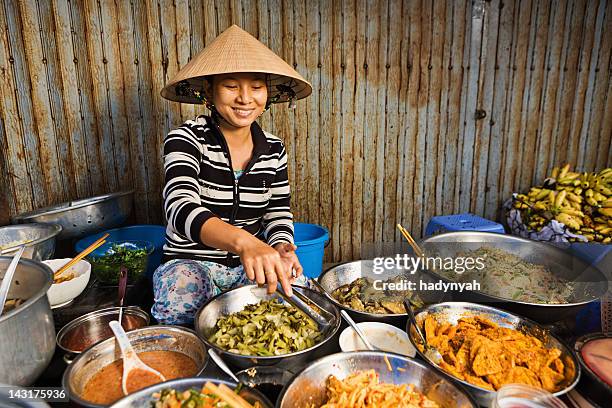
{"type": "Point", "coordinates": [226, 193]}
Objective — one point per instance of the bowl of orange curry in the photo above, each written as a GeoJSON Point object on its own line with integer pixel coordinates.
{"type": "Point", "coordinates": [484, 348]}
{"type": "Point", "coordinates": [94, 377]}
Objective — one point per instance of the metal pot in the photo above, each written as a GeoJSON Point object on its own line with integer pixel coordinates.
{"type": "Point", "coordinates": [590, 284]}
{"type": "Point", "coordinates": [152, 338]}
{"type": "Point", "coordinates": [93, 328]}
{"type": "Point", "coordinates": [80, 218]}
{"type": "Point", "coordinates": [39, 239]}
{"type": "Point", "coordinates": [308, 386]}
{"type": "Point", "coordinates": [451, 312]}
{"type": "Point", "coordinates": [235, 300]}
{"type": "Point", "coordinates": [27, 333]}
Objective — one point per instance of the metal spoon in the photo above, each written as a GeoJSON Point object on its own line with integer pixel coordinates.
{"type": "Point", "coordinates": [8, 278]}
{"type": "Point", "coordinates": [130, 358]}
{"type": "Point", "coordinates": [122, 287]}
{"type": "Point", "coordinates": [219, 361]}
{"type": "Point", "coordinates": [430, 352]}
{"type": "Point", "coordinates": [358, 330]}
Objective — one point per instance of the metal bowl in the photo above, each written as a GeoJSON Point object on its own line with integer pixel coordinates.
{"type": "Point", "coordinates": [590, 284]}
{"type": "Point", "coordinates": [452, 311]}
{"type": "Point", "coordinates": [591, 385]}
{"type": "Point", "coordinates": [27, 333]}
{"type": "Point", "coordinates": [83, 217]}
{"type": "Point", "coordinates": [93, 327]}
{"type": "Point", "coordinates": [346, 273]}
{"type": "Point", "coordinates": [143, 398]}
{"type": "Point", "coordinates": [152, 338]}
{"type": "Point", "coordinates": [308, 386]}
{"type": "Point", "coordinates": [235, 300]}
{"type": "Point", "coordinates": [39, 240]}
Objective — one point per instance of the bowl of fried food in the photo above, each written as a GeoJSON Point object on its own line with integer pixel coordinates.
{"type": "Point", "coordinates": [69, 284]}
{"type": "Point", "coordinates": [372, 295]}
{"type": "Point", "coordinates": [484, 348]}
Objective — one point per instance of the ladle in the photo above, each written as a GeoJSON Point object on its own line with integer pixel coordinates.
{"type": "Point", "coordinates": [131, 361]}
{"type": "Point", "coordinates": [8, 278]}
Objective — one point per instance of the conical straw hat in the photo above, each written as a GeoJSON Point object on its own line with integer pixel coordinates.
{"type": "Point", "coordinates": [235, 50]}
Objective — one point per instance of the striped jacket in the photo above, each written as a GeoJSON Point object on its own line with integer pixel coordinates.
{"type": "Point", "coordinates": [200, 184]}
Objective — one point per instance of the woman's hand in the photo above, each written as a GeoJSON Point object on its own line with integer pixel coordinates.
{"type": "Point", "coordinates": [263, 264]}
{"type": "Point", "coordinates": [290, 259]}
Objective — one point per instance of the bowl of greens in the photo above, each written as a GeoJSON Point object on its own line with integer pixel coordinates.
{"type": "Point", "coordinates": [106, 261]}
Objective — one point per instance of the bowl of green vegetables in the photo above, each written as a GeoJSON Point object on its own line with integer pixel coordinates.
{"type": "Point", "coordinates": [106, 261]}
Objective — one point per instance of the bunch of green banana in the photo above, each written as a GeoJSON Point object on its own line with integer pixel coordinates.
{"type": "Point", "coordinates": [581, 201]}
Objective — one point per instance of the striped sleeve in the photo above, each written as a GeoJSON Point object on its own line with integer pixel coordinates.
{"type": "Point", "coordinates": [278, 220]}
{"type": "Point", "coordinates": [182, 204]}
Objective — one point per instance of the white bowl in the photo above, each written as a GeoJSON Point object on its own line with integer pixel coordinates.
{"type": "Point", "coordinates": [60, 293]}
{"type": "Point", "coordinates": [380, 335]}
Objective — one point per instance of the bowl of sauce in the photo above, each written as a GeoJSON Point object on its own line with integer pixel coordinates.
{"type": "Point", "coordinates": [94, 377]}
{"type": "Point", "coordinates": [89, 329]}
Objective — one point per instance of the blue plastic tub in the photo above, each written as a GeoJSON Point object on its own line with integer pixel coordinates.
{"type": "Point", "coordinates": [461, 222]}
{"type": "Point", "coordinates": [155, 234]}
{"type": "Point", "coordinates": [310, 240]}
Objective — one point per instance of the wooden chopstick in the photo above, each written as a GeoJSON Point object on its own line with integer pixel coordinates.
{"type": "Point", "coordinates": [410, 240]}
{"type": "Point", "coordinates": [99, 242]}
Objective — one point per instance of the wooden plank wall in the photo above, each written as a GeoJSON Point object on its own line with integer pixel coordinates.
{"type": "Point", "coordinates": [389, 135]}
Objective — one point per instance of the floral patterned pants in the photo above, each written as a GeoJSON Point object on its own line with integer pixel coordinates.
{"type": "Point", "coordinates": [182, 286]}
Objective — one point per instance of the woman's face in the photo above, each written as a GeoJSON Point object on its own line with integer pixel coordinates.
{"type": "Point", "coordinates": [239, 98]}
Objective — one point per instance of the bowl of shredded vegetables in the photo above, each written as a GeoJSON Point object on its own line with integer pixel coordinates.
{"type": "Point", "coordinates": [106, 261]}
{"type": "Point", "coordinates": [383, 380]}
{"type": "Point", "coordinates": [195, 393]}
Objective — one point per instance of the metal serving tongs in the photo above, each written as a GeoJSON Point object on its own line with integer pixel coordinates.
{"type": "Point", "coordinates": [430, 352]}
{"type": "Point", "coordinates": [309, 307]}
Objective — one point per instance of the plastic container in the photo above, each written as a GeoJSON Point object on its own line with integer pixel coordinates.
{"type": "Point", "coordinates": [106, 261]}
{"type": "Point", "coordinates": [524, 396]}
{"type": "Point", "coordinates": [462, 222]}
{"type": "Point", "coordinates": [311, 240]}
{"type": "Point", "coordinates": [156, 234]}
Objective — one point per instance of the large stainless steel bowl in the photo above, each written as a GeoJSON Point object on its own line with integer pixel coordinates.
{"type": "Point", "coordinates": [152, 338]}
{"type": "Point", "coordinates": [83, 217]}
{"type": "Point", "coordinates": [39, 240]}
{"type": "Point", "coordinates": [235, 300]}
{"type": "Point", "coordinates": [308, 386]}
{"type": "Point", "coordinates": [346, 273]}
{"type": "Point", "coordinates": [451, 312]}
{"type": "Point", "coordinates": [590, 284]}
{"type": "Point", "coordinates": [27, 333]}
{"type": "Point", "coordinates": [143, 398]}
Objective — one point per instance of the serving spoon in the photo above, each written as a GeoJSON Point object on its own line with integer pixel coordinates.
{"type": "Point", "coordinates": [358, 330]}
{"type": "Point", "coordinates": [131, 362]}
{"type": "Point", "coordinates": [8, 277]}
{"type": "Point", "coordinates": [219, 361]}
{"type": "Point", "coordinates": [430, 352]}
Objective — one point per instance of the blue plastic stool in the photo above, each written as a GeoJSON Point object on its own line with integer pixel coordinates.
{"type": "Point", "coordinates": [156, 234]}
{"type": "Point", "coordinates": [310, 240]}
{"type": "Point", "coordinates": [461, 222]}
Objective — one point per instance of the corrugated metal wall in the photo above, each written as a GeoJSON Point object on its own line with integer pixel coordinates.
{"type": "Point", "coordinates": [390, 133]}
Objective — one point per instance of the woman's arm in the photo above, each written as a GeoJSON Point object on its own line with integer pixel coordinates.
{"type": "Point", "coordinates": [278, 220]}
{"type": "Point", "coordinates": [182, 204]}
